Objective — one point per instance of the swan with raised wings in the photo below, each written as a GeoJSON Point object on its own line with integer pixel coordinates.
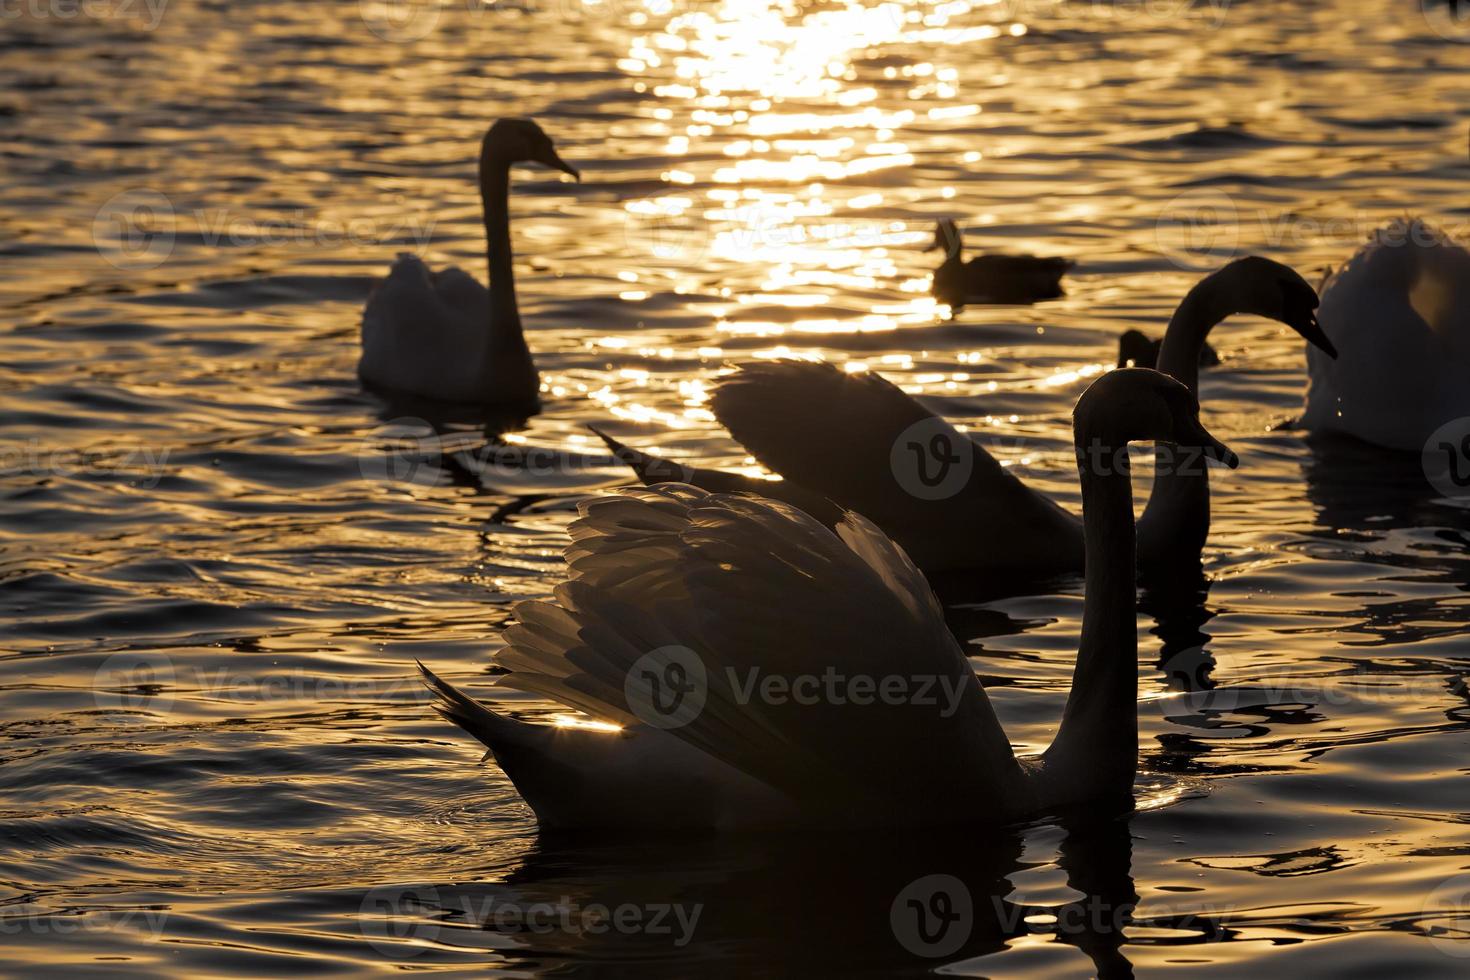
{"type": "Point", "coordinates": [441, 335]}
{"type": "Point", "coordinates": [844, 438]}
{"type": "Point", "coordinates": [682, 606]}
{"type": "Point", "coordinates": [1399, 313]}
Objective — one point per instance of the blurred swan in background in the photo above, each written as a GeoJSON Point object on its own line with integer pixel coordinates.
{"type": "Point", "coordinates": [1399, 313]}
{"type": "Point", "coordinates": [1138, 349]}
{"type": "Point", "coordinates": [860, 442]}
{"type": "Point", "coordinates": [441, 335]}
{"type": "Point", "coordinates": [991, 278]}
{"type": "Point", "coordinates": [681, 604]}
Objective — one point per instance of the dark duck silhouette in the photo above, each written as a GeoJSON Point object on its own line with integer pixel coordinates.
{"type": "Point", "coordinates": [994, 279]}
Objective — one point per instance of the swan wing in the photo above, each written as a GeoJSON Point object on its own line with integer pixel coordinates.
{"type": "Point", "coordinates": [815, 662]}
{"type": "Point", "coordinates": [860, 441]}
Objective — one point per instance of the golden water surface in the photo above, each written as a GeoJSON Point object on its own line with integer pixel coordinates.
{"type": "Point", "coordinates": [219, 557]}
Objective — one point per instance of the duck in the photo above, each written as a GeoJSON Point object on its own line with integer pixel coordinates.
{"type": "Point", "coordinates": [724, 651]}
{"type": "Point", "coordinates": [1399, 312]}
{"type": "Point", "coordinates": [994, 279]}
{"type": "Point", "coordinates": [1138, 349]}
{"type": "Point", "coordinates": [439, 335]}
{"type": "Point", "coordinates": [855, 440]}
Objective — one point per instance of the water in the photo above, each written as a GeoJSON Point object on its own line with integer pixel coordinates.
{"type": "Point", "coordinates": [221, 557]}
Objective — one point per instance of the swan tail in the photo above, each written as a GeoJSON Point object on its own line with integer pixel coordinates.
{"type": "Point", "coordinates": [649, 468]}
{"type": "Point", "coordinates": [496, 732]}
{"type": "Point", "coordinates": [652, 470]}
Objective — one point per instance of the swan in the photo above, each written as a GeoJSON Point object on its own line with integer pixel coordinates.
{"type": "Point", "coordinates": [1138, 349]}
{"type": "Point", "coordinates": [441, 335]}
{"type": "Point", "coordinates": [745, 666]}
{"type": "Point", "coordinates": [991, 278]}
{"type": "Point", "coordinates": [852, 449]}
{"type": "Point", "coordinates": [1399, 311]}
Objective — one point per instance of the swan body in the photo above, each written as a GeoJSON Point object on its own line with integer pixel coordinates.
{"type": "Point", "coordinates": [851, 449]}
{"type": "Point", "coordinates": [442, 336]}
{"type": "Point", "coordinates": [732, 587]}
{"type": "Point", "coordinates": [992, 278]}
{"type": "Point", "coordinates": [1399, 313]}
{"type": "Point", "coordinates": [423, 332]}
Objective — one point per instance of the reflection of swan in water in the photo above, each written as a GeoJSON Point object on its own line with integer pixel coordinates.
{"type": "Point", "coordinates": [441, 336]}
{"type": "Point", "coordinates": [840, 905]}
{"type": "Point", "coordinates": [1399, 314]}
{"type": "Point", "coordinates": [1378, 509]}
{"type": "Point", "coordinates": [680, 602]}
{"type": "Point", "coordinates": [841, 436]}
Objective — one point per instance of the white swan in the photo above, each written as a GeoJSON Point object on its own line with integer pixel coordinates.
{"type": "Point", "coordinates": [759, 670]}
{"type": "Point", "coordinates": [1399, 313]}
{"type": "Point", "coordinates": [843, 437]}
{"type": "Point", "coordinates": [441, 335]}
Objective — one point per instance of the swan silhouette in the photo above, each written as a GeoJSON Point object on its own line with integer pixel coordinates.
{"type": "Point", "coordinates": [1138, 349]}
{"type": "Point", "coordinates": [991, 278]}
{"type": "Point", "coordinates": [1399, 312]}
{"type": "Point", "coordinates": [681, 606]}
{"type": "Point", "coordinates": [856, 448]}
{"type": "Point", "coordinates": [442, 336]}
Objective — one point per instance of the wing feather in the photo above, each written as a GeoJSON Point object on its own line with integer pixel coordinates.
{"type": "Point", "coordinates": [756, 589]}
{"type": "Point", "coordinates": [850, 437]}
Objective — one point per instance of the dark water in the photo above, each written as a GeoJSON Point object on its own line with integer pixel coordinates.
{"type": "Point", "coordinates": [220, 557]}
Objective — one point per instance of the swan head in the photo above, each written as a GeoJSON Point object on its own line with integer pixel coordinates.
{"type": "Point", "coordinates": [1135, 349]}
{"type": "Point", "coordinates": [1143, 405]}
{"type": "Point", "coordinates": [946, 238]}
{"type": "Point", "coordinates": [1269, 289]}
{"type": "Point", "coordinates": [522, 141]}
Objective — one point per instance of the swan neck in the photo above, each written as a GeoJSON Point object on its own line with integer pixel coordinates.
{"type": "Point", "coordinates": [1096, 749]}
{"type": "Point", "coordinates": [1198, 313]}
{"type": "Point", "coordinates": [1177, 517]}
{"type": "Point", "coordinates": [507, 354]}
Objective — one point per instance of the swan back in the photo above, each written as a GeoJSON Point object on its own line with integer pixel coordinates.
{"type": "Point", "coordinates": [424, 332]}
{"type": "Point", "coordinates": [1399, 314]}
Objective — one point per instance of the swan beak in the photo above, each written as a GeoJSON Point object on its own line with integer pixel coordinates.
{"type": "Point", "coordinates": [557, 163]}
{"type": "Point", "coordinates": [1316, 336]}
{"type": "Point", "coordinates": [1215, 449]}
